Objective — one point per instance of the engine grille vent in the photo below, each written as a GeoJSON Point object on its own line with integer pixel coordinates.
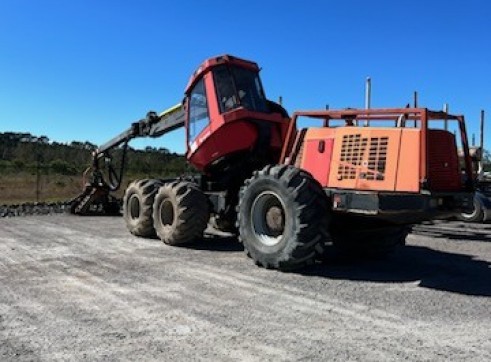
{"type": "Point", "coordinates": [352, 151]}
{"type": "Point", "coordinates": [377, 158]}
{"type": "Point", "coordinates": [354, 156]}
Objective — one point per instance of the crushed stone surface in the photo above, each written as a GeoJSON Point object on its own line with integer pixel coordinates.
{"type": "Point", "coordinates": [84, 289]}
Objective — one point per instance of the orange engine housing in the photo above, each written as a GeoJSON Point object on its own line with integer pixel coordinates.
{"type": "Point", "coordinates": [380, 159]}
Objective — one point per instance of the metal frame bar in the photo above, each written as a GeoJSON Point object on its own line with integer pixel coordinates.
{"type": "Point", "coordinates": [423, 115]}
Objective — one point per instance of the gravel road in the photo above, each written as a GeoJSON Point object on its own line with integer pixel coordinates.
{"type": "Point", "coordinates": [83, 288]}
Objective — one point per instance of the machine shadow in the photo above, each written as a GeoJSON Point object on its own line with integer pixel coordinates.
{"type": "Point", "coordinates": [454, 233]}
{"type": "Point", "coordinates": [221, 243]}
{"type": "Point", "coordinates": [434, 269]}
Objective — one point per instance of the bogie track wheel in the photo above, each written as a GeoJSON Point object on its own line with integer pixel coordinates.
{"type": "Point", "coordinates": [283, 218]}
{"type": "Point", "coordinates": [180, 213]}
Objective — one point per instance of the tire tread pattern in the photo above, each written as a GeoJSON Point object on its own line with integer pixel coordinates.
{"type": "Point", "coordinates": [191, 213]}
{"type": "Point", "coordinates": [146, 190]}
{"type": "Point", "coordinates": [310, 211]}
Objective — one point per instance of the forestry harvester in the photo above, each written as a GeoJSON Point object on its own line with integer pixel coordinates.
{"type": "Point", "coordinates": [357, 180]}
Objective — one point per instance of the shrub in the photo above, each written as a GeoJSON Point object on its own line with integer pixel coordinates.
{"type": "Point", "coordinates": [63, 167]}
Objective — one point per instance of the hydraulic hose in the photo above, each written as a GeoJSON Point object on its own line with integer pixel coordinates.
{"type": "Point", "coordinates": [116, 179]}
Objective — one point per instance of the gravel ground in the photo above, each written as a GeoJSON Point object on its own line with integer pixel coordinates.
{"type": "Point", "coordinates": [83, 288]}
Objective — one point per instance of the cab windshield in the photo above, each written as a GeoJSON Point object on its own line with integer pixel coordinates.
{"type": "Point", "coordinates": [239, 87]}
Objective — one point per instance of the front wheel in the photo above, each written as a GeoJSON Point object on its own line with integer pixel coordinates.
{"type": "Point", "coordinates": [282, 218]}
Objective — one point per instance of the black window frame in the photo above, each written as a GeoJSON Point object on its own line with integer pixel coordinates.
{"type": "Point", "coordinates": [237, 101]}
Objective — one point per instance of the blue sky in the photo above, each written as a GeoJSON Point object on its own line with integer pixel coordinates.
{"type": "Point", "coordinates": [84, 70]}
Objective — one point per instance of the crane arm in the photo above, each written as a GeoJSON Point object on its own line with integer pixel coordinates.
{"type": "Point", "coordinates": [97, 190]}
{"type": "Point", "coordinates": [153, 125]}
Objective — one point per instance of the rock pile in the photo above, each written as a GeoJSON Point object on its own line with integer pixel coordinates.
{"type": "Point", "coordinates": [36, 208]}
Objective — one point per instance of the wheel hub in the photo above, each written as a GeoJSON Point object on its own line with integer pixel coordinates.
{"type": "Point", "coordinates": [275, 219]}
{"type": "Point", "coordinates": [268, 218]}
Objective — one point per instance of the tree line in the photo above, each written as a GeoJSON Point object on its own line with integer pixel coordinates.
{"type": "Point", "coordinates": [26, 152]}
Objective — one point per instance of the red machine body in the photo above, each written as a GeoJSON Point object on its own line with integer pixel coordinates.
{"type": "Point", "coordinates": [361, 157]}
{"type": "Point", "coordinates": [228, 113]}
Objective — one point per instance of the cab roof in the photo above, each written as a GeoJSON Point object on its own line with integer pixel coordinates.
{"type": "Point", "coordinates": [210, 63]}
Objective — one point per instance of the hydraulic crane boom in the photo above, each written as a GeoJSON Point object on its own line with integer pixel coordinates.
{"type": "Point", "coordinates": [153, 125]}
{"type": "Point", "coordinates": [97, 189]}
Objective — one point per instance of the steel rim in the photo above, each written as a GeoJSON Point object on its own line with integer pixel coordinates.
{"type": "Point", "coordinates": [268, 218]}
{"type": "Point", "coordinates": [474, 212]}
{"type": "Point", "coordinates": [470, 215]}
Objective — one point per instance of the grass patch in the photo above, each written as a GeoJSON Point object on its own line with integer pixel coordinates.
{"type": "Point", "coordinates": [23, 187]}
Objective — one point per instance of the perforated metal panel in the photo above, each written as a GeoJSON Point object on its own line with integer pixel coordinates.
{"type": "Point", "coordinates": [352, 151]}
{"type": "Point", "coordinates": [354, 154]}
{"type": "Point", "coordinates": [377, 158]}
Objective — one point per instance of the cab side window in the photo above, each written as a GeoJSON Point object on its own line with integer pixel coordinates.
{"type": "Point", "coordinates": [225, 89]}
{"type": "Point", "coordinates": [198, 111]}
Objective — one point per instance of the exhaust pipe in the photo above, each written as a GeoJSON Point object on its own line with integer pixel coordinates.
{"type": "Point", "coordinates": [480, 173]}
{"type": "Point", "coordinates": [368, 97]}
{"type": "Point", "coordinates": [445, 109]}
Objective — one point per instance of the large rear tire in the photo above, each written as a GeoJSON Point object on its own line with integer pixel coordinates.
{"type": "Point", "coordinates": [282, 218]}
{"type": "Point", "coordinates": [180, 213]}
{"type": "Point", "coordinates": [138, 206]}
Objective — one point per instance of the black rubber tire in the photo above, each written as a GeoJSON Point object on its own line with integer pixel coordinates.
{"type": "Point", "coordinates": [477, 215]}
{"type": "Point", "coordinates": [138, 206]}
{"type": "Point", "coordinates": [180, 213]}
{"type": "Point", "coordinates": [376, 242]}
{"type": "Point", "coordinates": [295, 203]}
